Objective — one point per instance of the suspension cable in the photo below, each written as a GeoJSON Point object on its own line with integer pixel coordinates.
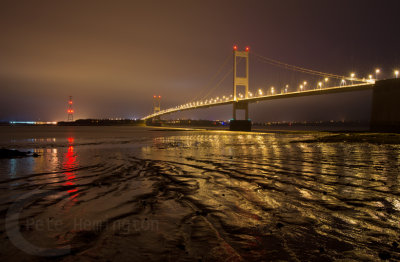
{"type": "Point", "coordinates": [217, 85]}
{"type": "Point", "coordinates": [206, 87]}
{"type": "Point", "coordinates": [300, 69]}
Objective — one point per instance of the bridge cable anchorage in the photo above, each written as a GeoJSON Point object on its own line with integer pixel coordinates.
{"type": "Point", "coordinates": [204, 88]}
{"type": "Point", "coordinates": [302, 69]}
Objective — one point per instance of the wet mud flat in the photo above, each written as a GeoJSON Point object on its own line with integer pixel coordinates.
{"type": "Point", "coordinates": [356, 137]}
{"type": "Point", "coordinates": [205, 196]}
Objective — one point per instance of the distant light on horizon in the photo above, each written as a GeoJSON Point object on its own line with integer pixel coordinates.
{"type": "Point", "coordinates": [32, 123]}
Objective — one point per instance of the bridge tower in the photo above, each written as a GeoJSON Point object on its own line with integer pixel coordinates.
{"type": "Point", "coordinates": [155, 121]}
{"type": "Point", "coordinates": [70, 110]}
{"type": "Point", "coordinates": [156, 104]}
{"type": "Point", "coordinates": [240, 81]}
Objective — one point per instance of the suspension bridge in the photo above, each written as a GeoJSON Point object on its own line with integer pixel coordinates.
{"type": "Point", "coordinates": [385, 112]}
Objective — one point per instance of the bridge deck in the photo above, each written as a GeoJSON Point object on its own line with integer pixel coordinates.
{"type": "Point", "coordinates": [330, 90]}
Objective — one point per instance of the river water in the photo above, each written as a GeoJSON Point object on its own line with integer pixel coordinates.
{"type": "Point", "coordinates": [154, 194]}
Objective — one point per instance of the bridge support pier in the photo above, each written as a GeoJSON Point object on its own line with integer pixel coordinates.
{"type": "Point", "coordinates": [155, 121]}
{"type": "Point", "coordinates": [385, 112]}
{"type": "Point", "coordinates": [240, 125]}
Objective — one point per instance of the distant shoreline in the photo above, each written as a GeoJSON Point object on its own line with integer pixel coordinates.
{"type": "Point", "coordinates": [318, 126]}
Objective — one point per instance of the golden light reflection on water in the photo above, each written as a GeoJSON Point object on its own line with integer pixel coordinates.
{"type": "Point", "coordinates": [327, 172]}
{"type": "Point", "coordinates": [255, 188]}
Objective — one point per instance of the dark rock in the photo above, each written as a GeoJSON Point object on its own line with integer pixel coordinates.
{"type": "Point", "coordinates": [384, 255]}
{"type": "Point", "coordinates": [85, 236]}
{"type": "Point", "coordinates": [181, 246]}
{"type": "Point", "coordinates": [8, 153]}
{"type": "Point", "coordinates": [201, 213]}
{"type": "Point", "coordinates": [279, 225]}
{"type": "Point", "coordinates": [395, 244]}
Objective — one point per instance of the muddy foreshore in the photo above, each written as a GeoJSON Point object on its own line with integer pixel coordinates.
{"type": "Point", "coordinates": [126, 193]}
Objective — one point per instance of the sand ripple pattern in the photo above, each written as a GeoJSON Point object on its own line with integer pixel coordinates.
{"type": "Point", "coordinates": [221, 197]}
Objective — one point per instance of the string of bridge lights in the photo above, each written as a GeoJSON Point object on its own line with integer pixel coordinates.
{"type": "Point", "coordinates": [324, 83]}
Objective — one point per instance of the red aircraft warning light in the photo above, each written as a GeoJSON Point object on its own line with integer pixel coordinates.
{"type": "Point", "coordinates": [247, 49]}
{"type": "Point", "coordinates": [235, 47]}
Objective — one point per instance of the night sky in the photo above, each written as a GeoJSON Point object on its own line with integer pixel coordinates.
{"type": "Point", "coordinates": [113, 56]}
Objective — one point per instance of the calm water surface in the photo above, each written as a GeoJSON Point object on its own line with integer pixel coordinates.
{"type": "Point", "coordinates": [136, 193]}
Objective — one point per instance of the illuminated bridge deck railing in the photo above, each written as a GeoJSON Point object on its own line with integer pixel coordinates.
{"type": "Point", "coordinates": [226, 101]}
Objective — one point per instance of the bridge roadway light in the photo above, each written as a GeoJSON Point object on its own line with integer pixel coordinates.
{"type": "Point", "coordinates": [304, 84]}
{"type": "Point", "coordinates": [320, 85]}
{"type": "Point", "coordinates": [352, 75]}
{"type": "Point", "coordinates": [326, 81]}
{"type": "Point", "coordinates": [301, 88]}
{"type": "Point", "coordinates": [286, 88]}
{"type": "Point", "coordinates": [260, 92]}
{"type": "Point", "coordinates": [396, 73]}
{"type": "Point", "coordinates": [377, 71]}
{"type": "Point", "coordinates": [272, 90]}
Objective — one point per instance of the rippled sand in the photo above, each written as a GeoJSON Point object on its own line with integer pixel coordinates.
{"type": "Point", "coordinates": [134, 194]}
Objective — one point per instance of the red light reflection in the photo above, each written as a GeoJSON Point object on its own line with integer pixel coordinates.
{"type": "Point", "coordinates": [69, 164]}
